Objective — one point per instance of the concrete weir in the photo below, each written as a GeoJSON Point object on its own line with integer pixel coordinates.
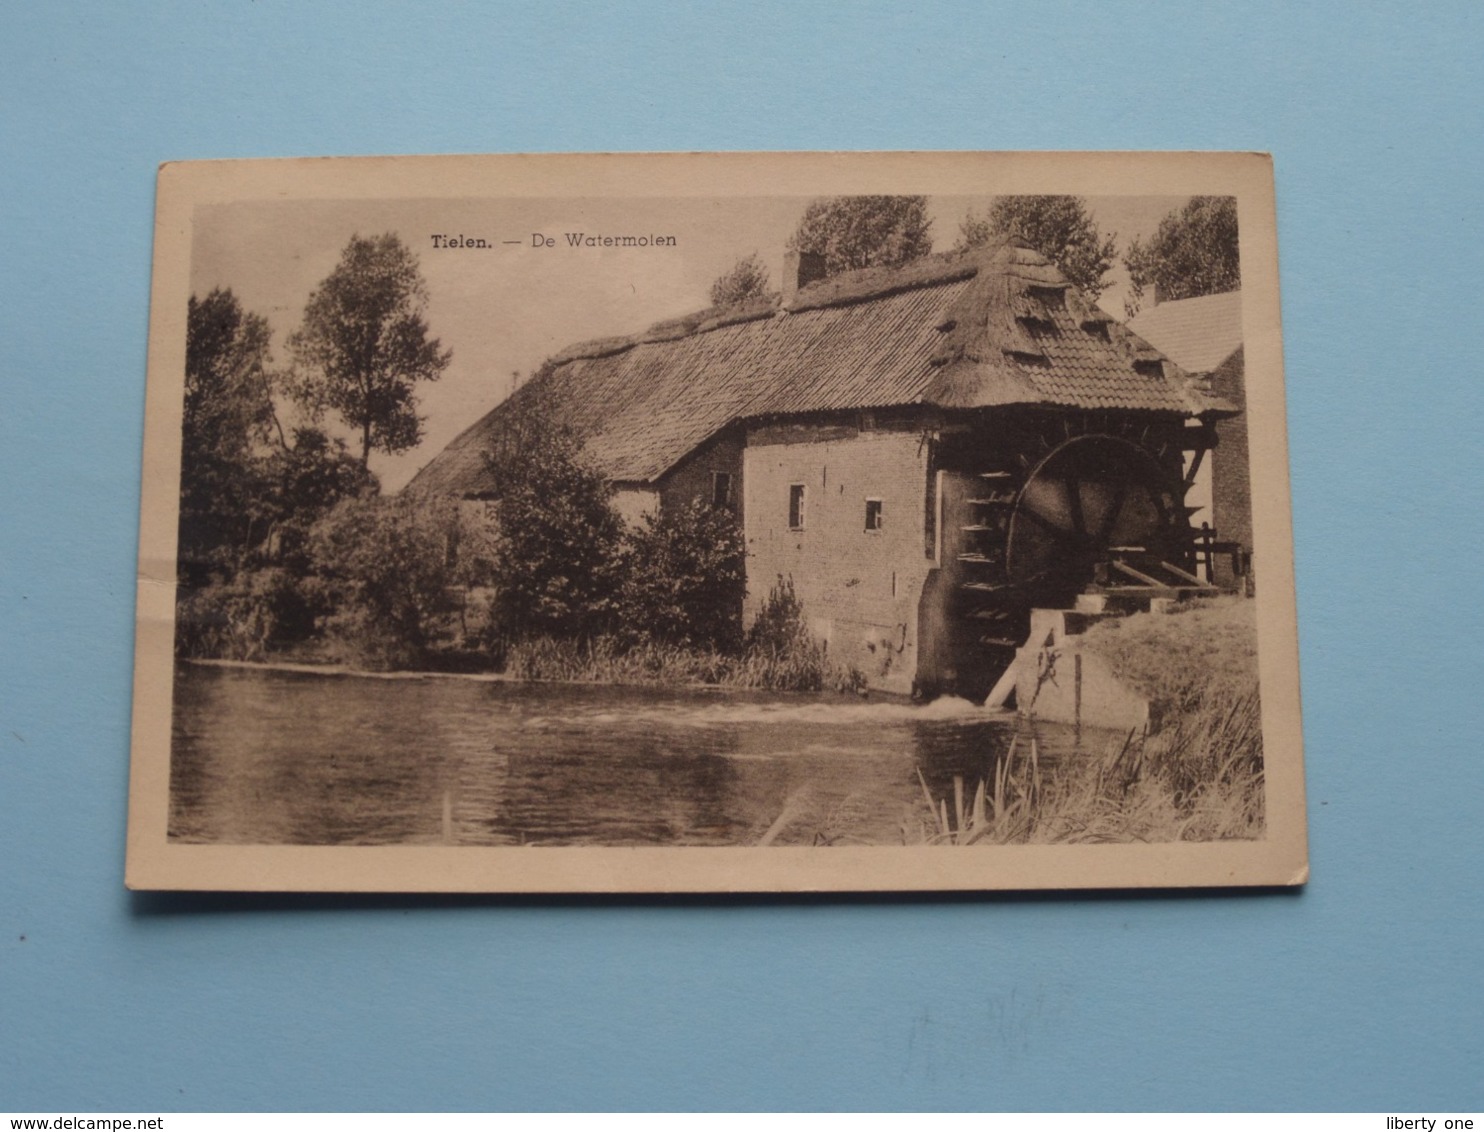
{"type": "Point", "coordinates": [1056, 679]}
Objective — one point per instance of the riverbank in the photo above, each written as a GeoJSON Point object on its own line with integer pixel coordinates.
{"type": "Point", "coordinates": [1190, 770]}
{"type": "Point", "coordinates": [1195, 773]}
{"type": "Point", "coordinates": [777, 654]}
{"type": "Point", "coordinates": [1177, 659]}
{"type": "Point", "coordinates": [545, 664]}
{"type": "Point", "coordinates": [328, 668]}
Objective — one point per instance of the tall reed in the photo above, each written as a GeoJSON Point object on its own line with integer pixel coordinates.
{"type": "Point", "coordinates": [1197, 778]}
{"type": "Point", "coordinates": [609, 660]}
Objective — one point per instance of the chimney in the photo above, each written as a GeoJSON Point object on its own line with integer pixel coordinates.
{"type": "Point", "coordinates": [799, 270]}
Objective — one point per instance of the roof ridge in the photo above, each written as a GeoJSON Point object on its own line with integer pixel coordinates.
{"type": "Point", "coordinates": [860, 285]}
{"type": "Point", "coordinates": [994, 326]}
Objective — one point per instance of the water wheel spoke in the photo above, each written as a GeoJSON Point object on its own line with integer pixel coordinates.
{"type": "Point", "coordinates": [1115, 510]}
{"type": "Point", "coordinates": [1073, 487]}
{"type": "Point", "coordinates": [1092, 502]}
{"type": "Point", "coordinates": [1027, 585]}
{"type": "Point", "coordinates": [1051, 526]}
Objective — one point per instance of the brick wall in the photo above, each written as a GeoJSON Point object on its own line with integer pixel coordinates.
{"type": "Point", "coordinates": [1231, 481]}
{"type": "Point", "coordinates": [859, 588]}
{"type": "Point", "coordinates": [691, 480]}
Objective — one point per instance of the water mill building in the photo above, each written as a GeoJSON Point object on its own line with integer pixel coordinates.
{"type": "Point", "coordinates": [928, 452]}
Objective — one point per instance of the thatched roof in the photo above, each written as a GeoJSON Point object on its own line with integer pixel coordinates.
{"type": "Point", "coordinates": [995, 326]}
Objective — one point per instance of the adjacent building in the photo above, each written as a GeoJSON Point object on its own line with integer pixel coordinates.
{"type": "Point", "coordinates": [1204, 337]}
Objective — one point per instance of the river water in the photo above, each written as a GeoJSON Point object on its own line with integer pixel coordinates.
{"type": "Point", "coordinates": [263, 756]}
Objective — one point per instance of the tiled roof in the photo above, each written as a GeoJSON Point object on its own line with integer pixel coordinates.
{"type": "Point", "coordinates": [1196, 334]}
{"type": "Point", "coordinates": [994, 327]}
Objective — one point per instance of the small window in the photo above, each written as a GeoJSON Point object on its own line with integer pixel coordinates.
{"type": "Point", "coordinates": [796, 507]}
{"type": "Point", "coordinates": [721, 489]}
{"type": "Point", "coordinates": [873, 514]}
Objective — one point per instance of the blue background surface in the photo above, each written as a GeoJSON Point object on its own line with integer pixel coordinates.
{"type": "Point", "coordinates": [1364, 991]}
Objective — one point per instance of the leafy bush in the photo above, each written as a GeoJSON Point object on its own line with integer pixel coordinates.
{"type": "Point", "coordinates": [684, 579]}
{"type": "Point", "coordinates": [780, 652]}
{"type": "Point", "coordinates": [386, 565]}
{"type": "Point", "coordinates": [243, 618]}
{"type": "Point", "coordinates": [745, 282]}
{"type": "Point", "coordinates": [779, 626]}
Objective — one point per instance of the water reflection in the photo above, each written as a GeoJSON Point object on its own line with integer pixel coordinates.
{"type": "Point", "coordinates": [268, 757]}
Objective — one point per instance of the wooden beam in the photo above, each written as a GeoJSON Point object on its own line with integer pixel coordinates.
{"type": "Point", "coordinates": [1147, 591]}
{"type": "Point", "coordinates": [1195, 467]}
{"type": "Point", "coordinates": [1125, 568]}
{"type": "Point", "coordinates": [1179, 573]}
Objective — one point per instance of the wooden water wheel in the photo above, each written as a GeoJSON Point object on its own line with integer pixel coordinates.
{"type": "Point", "coordinates": [1094, 512]}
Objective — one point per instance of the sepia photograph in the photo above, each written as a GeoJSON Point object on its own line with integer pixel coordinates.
{"type": "Point", "coordinates": [716, 523]}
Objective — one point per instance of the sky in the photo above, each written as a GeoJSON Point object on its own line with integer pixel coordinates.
{"type": "Point", "coordinates": [505, 308]}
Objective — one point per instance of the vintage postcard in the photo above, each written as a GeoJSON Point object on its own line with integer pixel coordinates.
{"type": "Point", "coordinates": [716, 523]}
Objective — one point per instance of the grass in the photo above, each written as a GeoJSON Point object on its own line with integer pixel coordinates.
{"type": "Point", "coordinates": [1196, 773]}
{"type": "Point", "coordinates": [1178, 659]}
{"type": "Point", "coordinates": [607, 660]}
{"type": "Point", "coordinates": [1201, 781]}
{"type": "Point", "coordinates": [1199, 777]}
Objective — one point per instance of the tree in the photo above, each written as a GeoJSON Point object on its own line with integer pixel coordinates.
{"type": "Point", "coordinates": [386, 565]}
{"type": "Point", "coordinates": [1059, 227]}
{"type": "Point", "coordinates": [227, 423]}
{"type": "Point", "coordinates": [364, 344]}
{"type": "Point", "coordinates": [685, 578]}
{"type": "Point", "coordinates": [745, 282]}
{"type": "Point", "coordinates": [557, 557]}
{"type": "Point", "coordinates": [868, 231]}
{"type": "Point", "coordinates": [248, 495]}
{"type": "Point", "coordinates": [305, 480]}
{"type": "Point", "coordinates": [1193, 252]}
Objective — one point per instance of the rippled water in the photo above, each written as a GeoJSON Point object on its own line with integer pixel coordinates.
{"type": "Point", "coordinates": [273, 757]}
